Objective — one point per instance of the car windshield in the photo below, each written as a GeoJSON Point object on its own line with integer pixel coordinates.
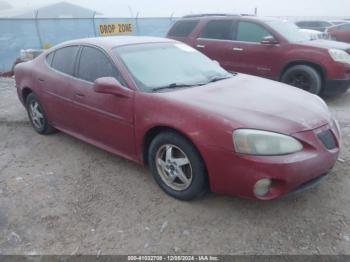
{"type": "Point", "coordinates": [156, 66]}
{"type": "Point", "coordinates": [288, 30]}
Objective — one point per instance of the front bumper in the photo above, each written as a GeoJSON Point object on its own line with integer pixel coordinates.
{"type": "Point", "coordinates": [234, 174]}
{"type": "Point", "coordinates": [334, 87]}
{"type": "Point", "coordinates": [311, 184]}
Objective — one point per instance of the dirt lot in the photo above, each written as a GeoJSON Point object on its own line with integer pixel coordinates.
{"type": "Point", "coordinates": [61, 196]}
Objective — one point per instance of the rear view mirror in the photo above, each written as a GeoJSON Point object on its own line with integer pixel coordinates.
{"type": "Point", "coordinates": [110, 85]}
{"type": "Point", "coordinates": [269, 40]}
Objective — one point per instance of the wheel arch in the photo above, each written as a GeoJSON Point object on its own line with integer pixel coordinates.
{"type": "Point", "coordinates": [156, 130]}
{"type": "Point", "coordinates": [319, 68]}
{"type": "Point", "coordinates": [25, 92]}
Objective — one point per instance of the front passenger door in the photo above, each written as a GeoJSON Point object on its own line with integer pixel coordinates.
{"type": "Point", "coordinates": [105, 119]}
{"type": "Point", "coordinates": [248, 55]}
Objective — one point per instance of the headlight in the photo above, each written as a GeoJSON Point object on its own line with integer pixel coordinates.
{"type": "Point", "coordinates": [339, 55]}
{"type": "Point", "coordinates": [264, 143]}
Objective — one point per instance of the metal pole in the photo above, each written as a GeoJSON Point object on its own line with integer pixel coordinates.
{"type": "Point", "coordinates": [137, 23]}
{"type": "Point", "coordinates": [37, 28]}
{"type": "Point", "coordinates": [94, 24]}
{"type": "Point", "coordinates": [171, 19]}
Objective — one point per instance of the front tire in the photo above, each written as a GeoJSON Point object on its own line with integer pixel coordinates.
{"type": "Point", "coordinates": [303, 77]}
{"type": "Point", "coordinates": [37, 116]}
{"type": "Point", "coordinates": [177, 166]}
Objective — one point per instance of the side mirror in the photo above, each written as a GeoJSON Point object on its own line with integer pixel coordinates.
{"type": "Point", "coordinates": [269, 40]}
{"type": "Point", "coordinates": [111, 86]}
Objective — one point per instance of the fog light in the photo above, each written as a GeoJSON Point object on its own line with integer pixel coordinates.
{"type": "Point", "coordinates": [262, 187]}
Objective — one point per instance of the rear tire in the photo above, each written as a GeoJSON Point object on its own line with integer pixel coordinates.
{"type": "Point", "coordinates": [37, 116]}
{"type": "Point", "coordinates": [303, 77]}
{"type": "Point", "coordinates": [177, 166]}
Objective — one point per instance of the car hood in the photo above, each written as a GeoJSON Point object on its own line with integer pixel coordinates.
{"type": "Point", "coordinates": [252, 102]}
{"type": "Point", "coordinates": [327, 44]}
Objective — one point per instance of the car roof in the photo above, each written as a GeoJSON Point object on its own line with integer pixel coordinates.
{"type": "Point", "coordinates": [228, 16]}
{"type": "Point", "coordinates": [307, 21]}
{"type": "Point", "coordinates": [114, 41]}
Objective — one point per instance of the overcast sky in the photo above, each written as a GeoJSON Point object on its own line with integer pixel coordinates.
{"type": "Point", "coordinates": [182, 7]}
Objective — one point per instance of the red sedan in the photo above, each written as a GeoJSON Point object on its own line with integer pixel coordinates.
{"type": "Point", "coordinates": [163, 104]}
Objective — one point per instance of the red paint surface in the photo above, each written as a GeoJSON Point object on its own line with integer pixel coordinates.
{"type": "Point", "coordinates": [206, 115]}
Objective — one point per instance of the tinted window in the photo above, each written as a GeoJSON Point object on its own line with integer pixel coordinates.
{"type": "Point", "coordinates": [218, 29]}
{"type": "Point", "coordinates": [344, 27]}
{"type": "Point", "coordinates": [308, 24]}
{"type": "Point", "coordinates": [95, 64]}
{"type": "Point", "coordinates": [49, 58]}
{"type": "Point", "coordinates": [183, 28]}
{"type": "Point", "coordinates": [301, 24]}
{"type": "Point", "coordinates": [324, 24]}
{"type": "Point", "coordinates": [315, 24]}
{"type": "Point", "coordinates": [251, 32]}
{"type": "Point", "coordinates": [64, 59]}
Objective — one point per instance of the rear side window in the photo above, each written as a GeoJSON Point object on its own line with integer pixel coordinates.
{"type": "Point", "coordinates": [183, 28]}
{"type": "Point", "coordinates": [95, 64]}
{"type": "Point", "coordinates": [218, 29]}
{"type": "Point", "coordinates": [251, 32]}
{"type": "Point", "coordinates": [64, 59]}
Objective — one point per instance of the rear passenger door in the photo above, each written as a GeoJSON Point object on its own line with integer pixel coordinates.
{"type": "Point", "coordinates": [56, 85]}
{"type": "Point", "coordinates": [215, 40]}
{"type": "Point", "coordinates": [104, 119]}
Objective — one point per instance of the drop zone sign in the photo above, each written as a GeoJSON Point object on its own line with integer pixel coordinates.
{"type": "Point", "coordinates": [116, 29]}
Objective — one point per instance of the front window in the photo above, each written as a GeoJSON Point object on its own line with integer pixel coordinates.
{"type": "Point", "coordinates": [251, 32]}
{"type": "Point", "coordinates": [101, 66]}
{"type": "Point", "coordinates": [168, 65]}
{"type": "Point", "coordinates": [288, 30]}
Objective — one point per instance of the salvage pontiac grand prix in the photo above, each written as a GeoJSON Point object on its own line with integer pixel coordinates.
{"type": "Point", "coordinates": [163, 104]}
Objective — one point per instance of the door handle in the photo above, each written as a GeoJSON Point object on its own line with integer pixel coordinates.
{"type": "Point", "coordinates": [41, 80]}
{"type": "Point", "coordinates": [79, 94]}
{"type": "Point", "coordinates": [238, 49]}
{"type": "Point", "coordinates": [200, 46]}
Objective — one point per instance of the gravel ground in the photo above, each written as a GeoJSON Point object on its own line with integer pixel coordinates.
{"type": "Point", "coordinates": [61, 196]}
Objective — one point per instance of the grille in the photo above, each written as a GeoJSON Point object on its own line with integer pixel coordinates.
{"type": "Point", "coordinates": [328, 140]}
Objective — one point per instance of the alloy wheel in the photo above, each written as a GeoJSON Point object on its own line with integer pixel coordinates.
{"type": "Point", "coordinates": [174, 167]}
{"type": "Point", "coordinates": [36, 114]}
{"type": "Point", "coordinates": [300, 80]}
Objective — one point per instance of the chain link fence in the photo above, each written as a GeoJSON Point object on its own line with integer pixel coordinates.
{"type": "Point", "coordinates": [17, 34]}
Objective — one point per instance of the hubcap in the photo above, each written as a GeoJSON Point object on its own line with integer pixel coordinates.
{"type": "Point", "coordinates": [300, 80]}
{"type": "Point", "coordinates": [36, 114]}
{"type": "Point", "coordinates": [174, 167]}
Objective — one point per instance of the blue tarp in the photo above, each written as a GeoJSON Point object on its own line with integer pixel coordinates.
{"type": "Point", "coordinates": [17, 34]}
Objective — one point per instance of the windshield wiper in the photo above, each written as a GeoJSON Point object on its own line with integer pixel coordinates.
{"type": "Point", "coordinates": [177, 85]}
{"type": "Point", "coordinates": [173, 85]}
{"type": "Point", "coordinates": [218, 78]}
